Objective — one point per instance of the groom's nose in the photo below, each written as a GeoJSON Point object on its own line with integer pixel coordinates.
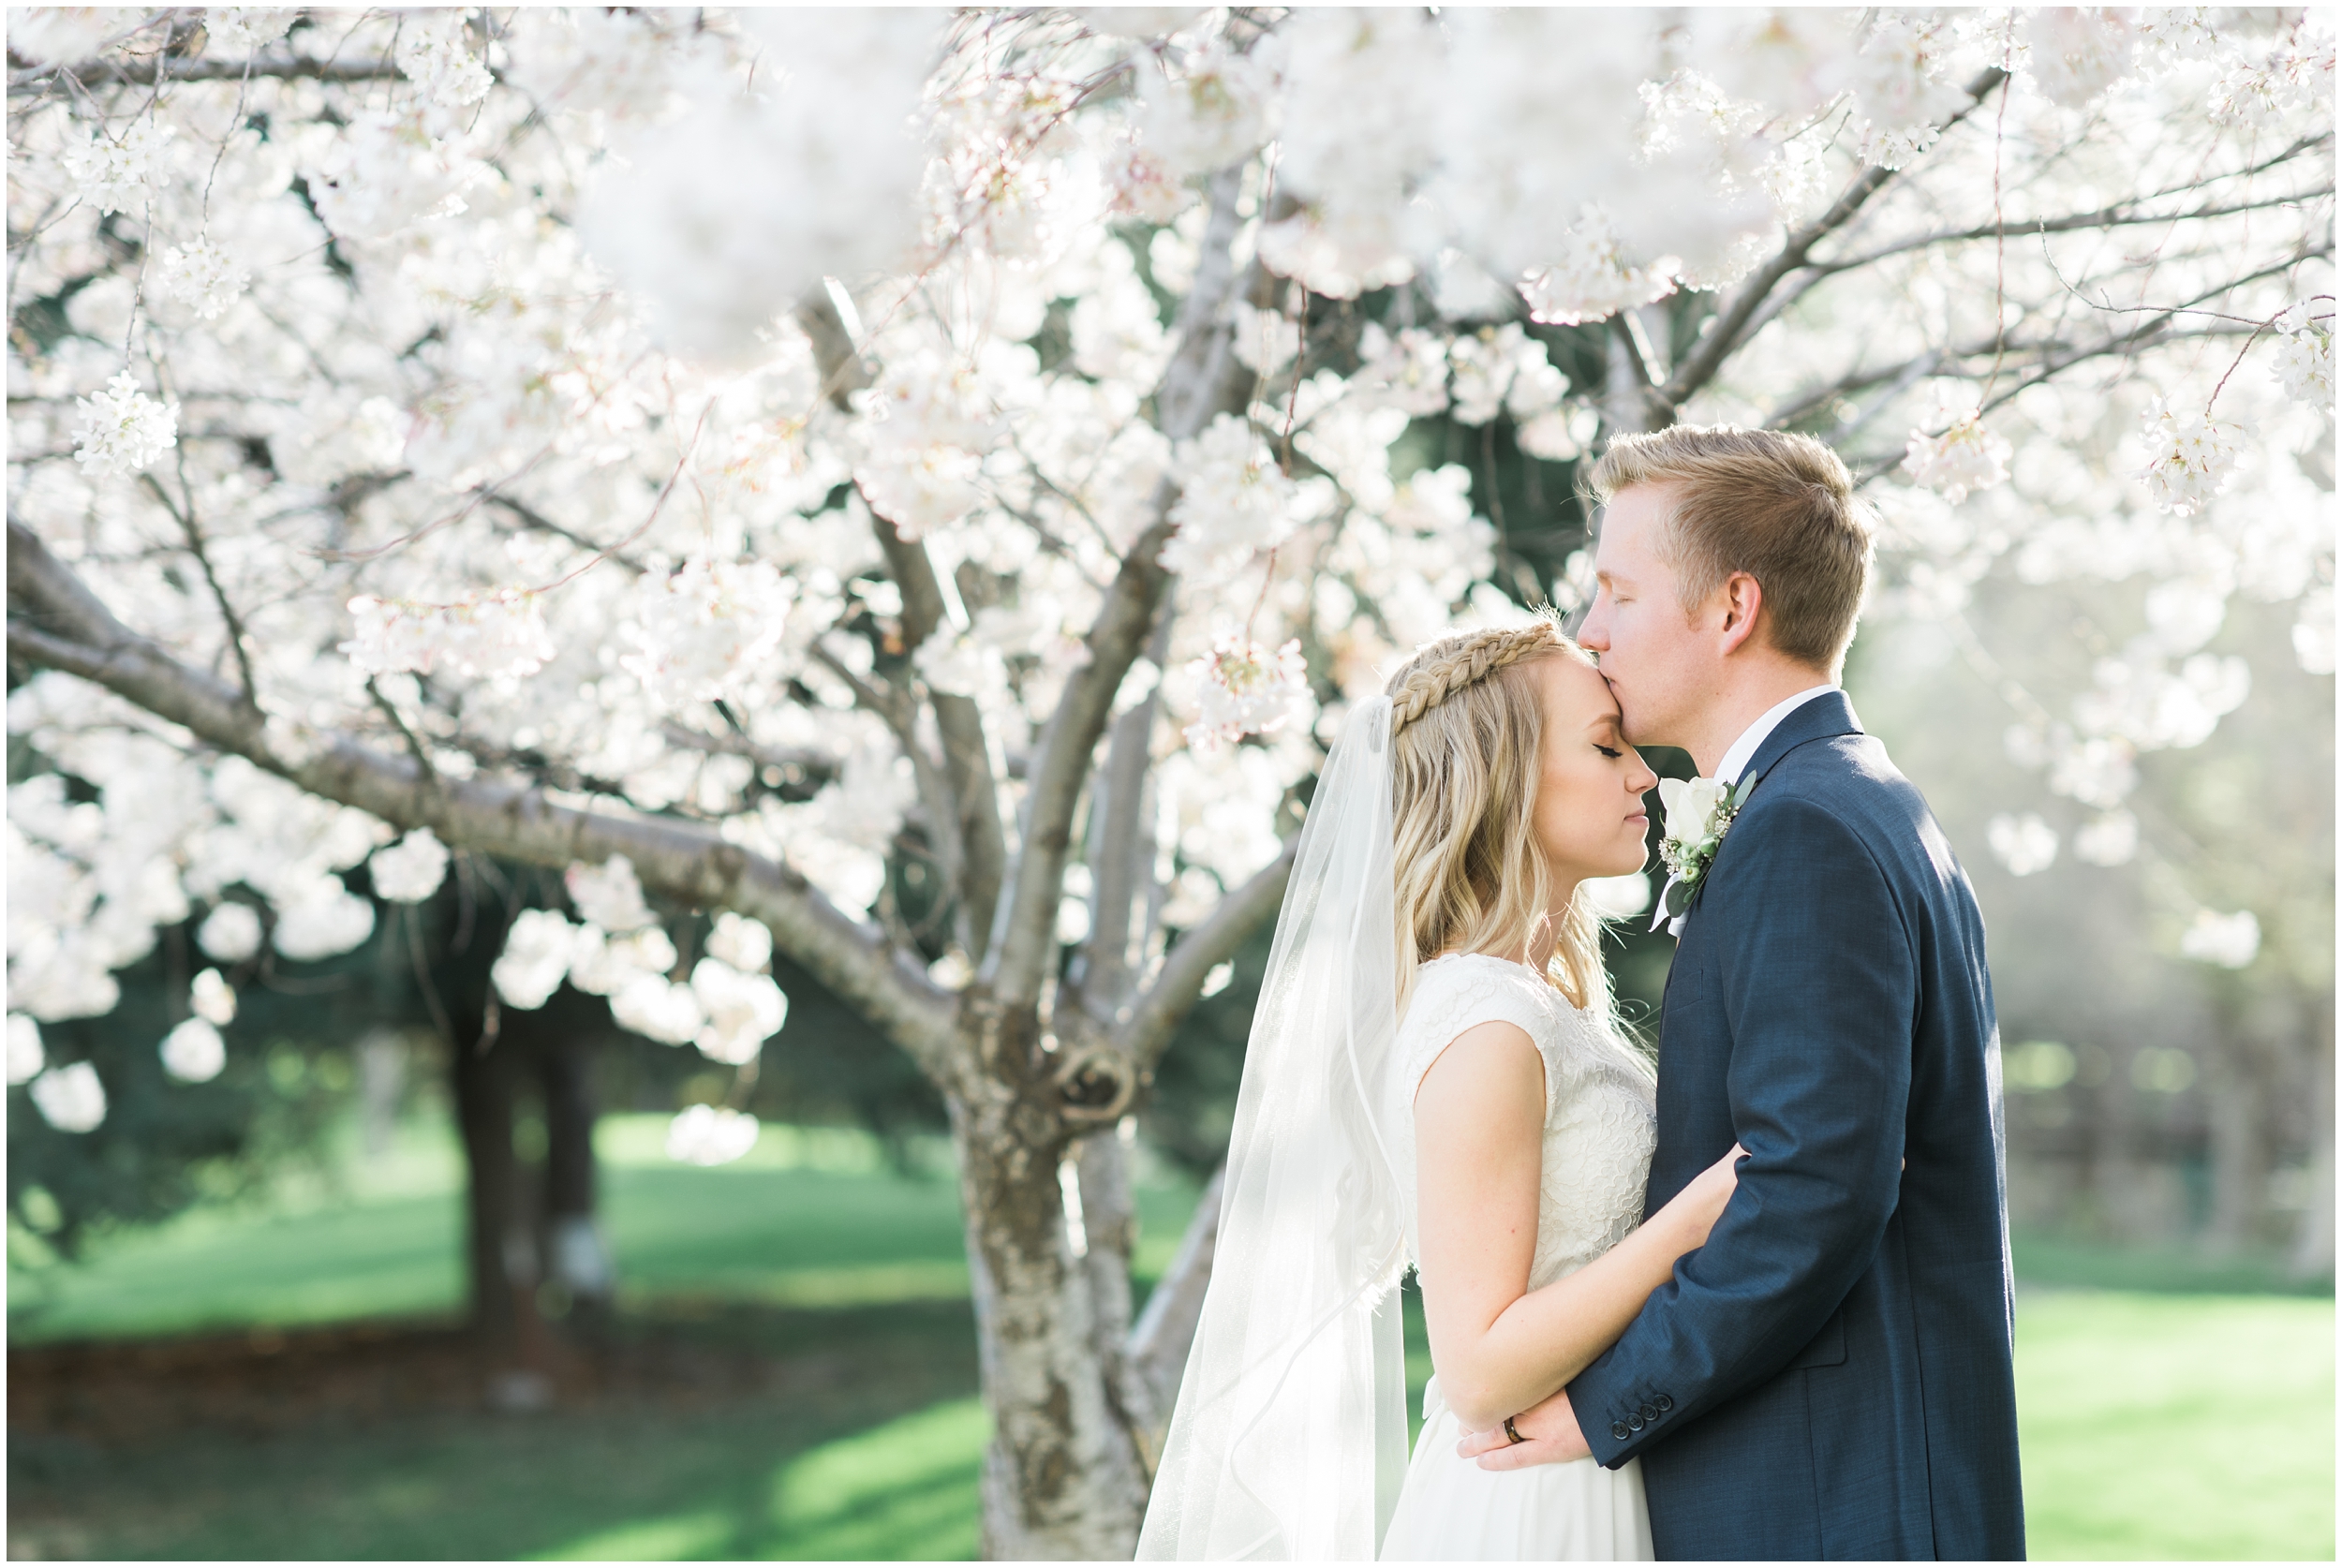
{"type": "Point", "coordinates": [1594, 633]}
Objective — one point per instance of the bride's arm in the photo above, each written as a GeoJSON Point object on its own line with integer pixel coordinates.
{"type": "Point", "coordinates": [1480, 1119]}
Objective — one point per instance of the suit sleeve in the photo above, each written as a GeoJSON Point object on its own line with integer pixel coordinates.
{"type": "Point", "coordinates": [1818, 985]}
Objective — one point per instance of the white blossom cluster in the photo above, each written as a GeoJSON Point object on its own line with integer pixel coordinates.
{"type": "Point", "coordinates": [89, 881]}
{"type": "Point", "coordinates": [112, 172]}
{"type": "Point", "coordinates": [2024, 844]}
{"type": "Point", "coordinates": [711, 1136]}
{"type": "Point", "coordinates": [122, 429]}
{"type": "Point", "coordinates": [835, 105]}
{"type": "Point", "coordinates": [2190, 455]}
{"type": "Point", "coordinates": [1963, 459]}
{"type": "Point", "coordinates": [27, 1056]}
{"type": "Point", "coordinates": [193, 1051]}
{"type": "Point", "coordinates": [438, 59]}
{"type": "Point", "coordinates": [728, 1006]}
{"type": "Point", "coordinates": [1236, 502]}
{"type": "Point", "coordinates": [390, 171]}
{"type": "Point", "coordinates": [204, 275]}
{"type": "Point", "coordinates": [249, 29]}
{"type": "Point", "coordinates": [710, 630]}
{"type": "Point", "coordinates": [1245, 690]}
{"type": "Point", "coordinates": [2304, 359]}
{"type": "Point", "coordinates": [501, 633]}
{"type": "Point", "coordinates": [410, 871]}
{"type": "Point", "coordinates": [2231, 941]}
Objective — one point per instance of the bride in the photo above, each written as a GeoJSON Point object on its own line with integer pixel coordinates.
{"type": "Point", "coordinates": [1435, 1076]}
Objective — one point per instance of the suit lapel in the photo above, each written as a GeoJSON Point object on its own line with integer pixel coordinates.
{"type": "Point", "coordinates": [1822, 718]}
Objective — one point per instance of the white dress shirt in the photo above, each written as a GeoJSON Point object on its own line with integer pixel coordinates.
{"type": "Point", "coordinates": [1737, 758]}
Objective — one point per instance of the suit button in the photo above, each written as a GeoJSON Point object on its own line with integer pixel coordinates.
{"type": "Point", "coordinates": [1633, 1422]}
{"type": "Point", "coordinates": [1664, 1403]}
{"type": "Point", "coordinates": [1619, 1430]}
{"type": "Point", "coordinates": [1650, 1413]}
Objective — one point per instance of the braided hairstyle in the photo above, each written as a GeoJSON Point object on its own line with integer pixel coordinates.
{"type": "Point", "coordinates": [1467, 736]}
{"type": "Point", "coordinates": [1440, 670]}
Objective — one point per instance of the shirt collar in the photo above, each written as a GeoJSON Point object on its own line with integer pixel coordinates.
{"type": "Point", "coordinates": [1736, 759]}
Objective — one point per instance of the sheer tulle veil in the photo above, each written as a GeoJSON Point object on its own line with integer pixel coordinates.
{"type": "Point", "coordinates": [1289, 1438]}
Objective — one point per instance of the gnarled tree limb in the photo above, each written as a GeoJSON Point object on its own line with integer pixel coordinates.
{"type": "Point", "coordinates": [56, 623]}
{"type": "Point", "coordinates": [135, 73]}
{"type": "Point", "coordinates": [1160, 1339]}
{"type": "Point", "coordinates": [1204, 379]}
{"type": "Point", "coordinates": [1157, 1014]}
{"type": "Point", "coordinates": [1726, 333]}
{"type": "Point", "coordinates": [967, 756]}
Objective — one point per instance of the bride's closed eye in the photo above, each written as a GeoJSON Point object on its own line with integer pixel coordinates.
{"type": "Point", "coordinates": [1610, 752]}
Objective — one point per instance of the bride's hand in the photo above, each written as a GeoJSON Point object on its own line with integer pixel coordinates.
{"type": "Point", "coordinates": [1702, 1202]}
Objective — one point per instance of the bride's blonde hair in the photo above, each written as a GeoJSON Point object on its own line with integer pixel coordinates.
{"type": "Point", "coordinates": [1467, 731]}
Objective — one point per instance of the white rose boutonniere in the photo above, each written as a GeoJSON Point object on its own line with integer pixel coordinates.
{"type": "Point", "coordinates": [1699, 813]}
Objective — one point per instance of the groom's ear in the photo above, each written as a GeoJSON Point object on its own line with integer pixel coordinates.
{"type": "Point", "coordinates": [1743, 599]}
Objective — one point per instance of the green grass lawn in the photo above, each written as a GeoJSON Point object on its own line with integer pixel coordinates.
{"type": "Point", "coordinates": [2156, 1425]}
{"type": "Point", "coordinates": [2177, 1427]}
{"type": "Point", "coordinates": [813, 1218]}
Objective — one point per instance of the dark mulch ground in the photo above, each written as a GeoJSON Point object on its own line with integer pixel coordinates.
{"type": "Point", "coordinates": [270, 1381]}
{"type": "Point", "coordinates": [385, 1439]}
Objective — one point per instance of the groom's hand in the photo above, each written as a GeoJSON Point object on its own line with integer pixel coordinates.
{"type": "Point", "coordinates": [1548, 1432]}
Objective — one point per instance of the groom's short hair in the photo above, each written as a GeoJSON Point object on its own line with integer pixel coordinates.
{"type": "Point", "coordinates": [1779, 507]}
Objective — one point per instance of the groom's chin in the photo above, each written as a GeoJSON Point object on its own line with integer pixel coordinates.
{"type": "Point", "coordinates": [1634, 724]}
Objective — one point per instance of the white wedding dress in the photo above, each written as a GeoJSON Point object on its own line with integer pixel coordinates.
{"type": "Point", "coordinates": [1598, 1138]}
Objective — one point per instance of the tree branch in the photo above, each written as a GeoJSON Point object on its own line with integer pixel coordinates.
{"type": "Point", "coordinates": [1204, 379]}
{"type": "Point", "coordinates": [808, 758]}
{"type": "Point", "coordinates": [843, 372]}
{"type": "Point", "coordinates": [202, 559]}
{"type": "Point", "coordinates": [967, 756]}
{"type": "Point", "coordinates": [1726, 332]}
{"type": "Point", "coordinates": [1166, 1003]}
{"type": "Point", "coordinates": [529, 517]}
{"type": "Point", "coordinates": [1165, 1329]}
{"type": "Point", "coordinates": [56, 623]}
{"type": "Point", "coordinates": [967, 808]}
{"type": "Point", "coordinates": [935, 794]}
{"type": "Point", "coordinates": [2105, 217]}
{"type": "Point", "coordinates": [127, 73]}
{"type": "Point", "coordinates": [2047, 355]}
{"type": "Point", "coordinates": [1121, 851]}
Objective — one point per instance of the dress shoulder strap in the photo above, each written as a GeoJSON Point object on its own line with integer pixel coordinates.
{"type": "Point", "coordinates": [1460, 992]}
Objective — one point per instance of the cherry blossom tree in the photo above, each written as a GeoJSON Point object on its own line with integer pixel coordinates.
{"type": "Point", "coordinates": [924, 488]}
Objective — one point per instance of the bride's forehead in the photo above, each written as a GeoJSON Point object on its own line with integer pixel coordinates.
{"type": "Point", "coordinates": [1570, 682]}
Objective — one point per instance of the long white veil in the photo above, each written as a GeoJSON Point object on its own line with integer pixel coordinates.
{"type": "Point", "coordinates": [1289, 1439]}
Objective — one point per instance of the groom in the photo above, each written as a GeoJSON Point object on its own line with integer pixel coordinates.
{"type": "Point", "coordinates": [1829, 1377]}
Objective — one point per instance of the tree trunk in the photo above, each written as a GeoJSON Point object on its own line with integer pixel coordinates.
{"type": "Point", "coordinates": [500, 1252]}
{"type": "Point", "coordinates": [1165, 1330]}
{"type": "Point", "coordinates": [2313, 1241]}
{"type": "Point", "coordinates": [2240, 1158]}
{"type": "Point", "coordinates": [1062, 1477]}
{"type": "Point", "coordinates": [577, 1258]}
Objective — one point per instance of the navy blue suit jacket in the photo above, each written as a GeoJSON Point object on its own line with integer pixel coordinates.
{"type": "Point", "coordinates": [1829, 1377]}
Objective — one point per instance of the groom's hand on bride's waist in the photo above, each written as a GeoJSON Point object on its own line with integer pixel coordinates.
{"type": "Point", "coordinates": [1549, 1436]}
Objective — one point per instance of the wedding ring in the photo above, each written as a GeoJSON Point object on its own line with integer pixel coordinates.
{"type": "Point", "coordinates": [1512, 1431]}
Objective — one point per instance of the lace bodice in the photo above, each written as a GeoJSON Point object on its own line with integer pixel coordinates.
{"type": "Point", "coordinates": [1599, 1110]}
